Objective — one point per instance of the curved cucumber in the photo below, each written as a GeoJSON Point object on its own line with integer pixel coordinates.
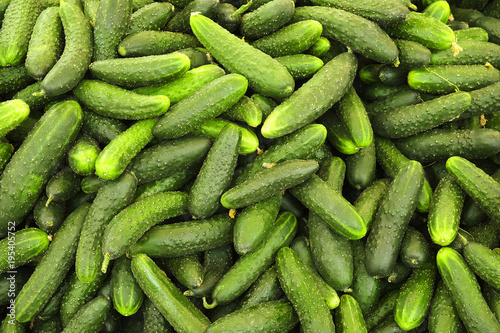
{"type": "Point", "coordinates": [151, 17]}
{"type": "Point", "coordinates": [369, 200]}
{"type": "Point", "coordinates": [245, 110]}
{"type": "Point", "coordinates": [29, 243]}
{"type": "Point", "coordinates": [12, 113]}
{"type": "Point", "coordinates": [412, 54]}
{"type": "Point", "coordinates": [484, 262]}
{"type": "Point", "coordinates": [62, 186]}
{"type": "Point", "coordinates": [352, 112]}
{"type": "Point", "coordinates": [103, 129]}
{"type": "Point", "coordinates": [361, 167]}
{"type": "Point", "coordinates": [301, 66]}
{"type": "Point", "coordinates": [180, 22]}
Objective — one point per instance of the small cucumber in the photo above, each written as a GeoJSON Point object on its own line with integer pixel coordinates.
{"type": "Point", "coordinates": [361, 167]}
{"type": "Point", "coordinates": [484, 262]}
{"type": "Point", "coordinates": [14, 78]}
{"type": "Point", "coordinates": [187, 270]}
{"type": "Point", "coordinates": [470, 34]}
{"type": "Point", "coordinates": [36, 103]}
{"type": "Point", "coordinates": [91, 317]}
{"type": "Point", "coordinates": [147, 43]}
{"type": "Point", "coordinates": [180, 22]}
{"type": "Point", "coordinates": [443, 316]}
{"type": "Point", "coordinates": [320, 47]}
{"type": "Point", "coordinates": [173, 182]}
{"type": "Point", "coordinates": [245, 110]}
{"type": "Point", "coordinates": [29, 243]}
{"type": "Point", "coordinates": [383, 309]}
{"type": "Point", "coordinates": [263, 20]}
{"type": "Point", "coordinates": [439, 9]}
{"type": "Point", "coordinates": [392, 76]}
{"type": "Point", "coordinates": [151, 17]}
{"type": "Point", "coordinates": [83, 155]}
{"type": "Point", "coordinates": [332, 171]}
{"type": "Point", "coordinates": [12, 113]}
{"type": "Point", "coordinates": [338, 133]}
{"type": "Point", "coordinates": [101, 128]}
{"type": "Point", "coordinates": [369, 200]}
{"type": "Point", "coordinates": [412, 54]}
{"type": "Point", "coordinates": [348, 316]}
{"type": "Point", "coordinates": [473, 52]}
{"type": "Point", "coordinates": [49, 217]}
{"type": "Point", "coordinates": [301, 66]}
{"type": "Point", "coordinates": [396, 100]}
{"type": "Point", "coordinates": [62, 186]}
{"type": "Point", "coordinates": [415, 250]}
{"type": "Point", "coordinates": [265, 289]}
{"type": "Point", "coordinates": [127, 295]}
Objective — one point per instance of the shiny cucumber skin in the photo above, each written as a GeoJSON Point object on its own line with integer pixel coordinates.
{"type": "Point", "coordinates": [313, 98]}
{"type": "Point", "coordinates": [396, 100]}
{"type": "Point", "coordinates": [180, 22]}
{"type": "Point", "coordinates": [361, 167]}
{"type": "Point", "coordinates": [103, 129]}
{"type": "Point", "coordinates": [175, 307]}
{"type": "Point", "coordinates": [30, 243]}
{"type": "Point", "coordinates": [301, 66]}
{"type": "Point", "coordinates": [147, 43]}
{"type": "Point", "coordinates": [265, 74]}
{"type": "Point", "coordinates": [484, 100]}
{"type": "Point", "coordinates": [187, 270]}
{"type": "Point", "coordinates": [91, 317]}
{"type": "Point", "coordinates": [53, 267]}
{"type": "Point", "coordinates": [31, 166]}
{"type": "Point", "coordinates": [348, 316]}
{"type": "Point", "coordinates": [466, 293]}
{"type": "Point", "coordinates": [127, 295]}
{"type": "Point", "coordinates": [443, 316]}
{"type": "Point", "coordinates": [369, 200]}
{"type": "Point", "coordinates": [412, 54]}
{"type": "Point", "coordinates": [263, 20]}
{"type": "Point", "coordinates": [71, 67]}
{"type": "Point", "coordinates": [14, 78]}
{"type": "Point", "coordinates": [83, 155]}
{"type": "Point", "coordinates": [484, 262]}
{"type": "Point", "coordinates": [265, 289]}
{"type": "Point", "coordinates": [440, 10]}
{"type": "Point", "coordinates": [151, 17]}
{"type": "Point", "coordinates": [352, 112]}
{"type": "Point", "coordinates": [62, 186]}
{"type": "Point", "coordinates": [111, 198]}
{"type": "Point", "coordinates": [12, 113]}
{"type": "Point", "coordinates": [473, 52]}
{"type": "Point", "coordinates": [245, 110]}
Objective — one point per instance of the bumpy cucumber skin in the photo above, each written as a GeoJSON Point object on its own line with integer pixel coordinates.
{"type": "Point", "coordinates": [6, 150]}
{"type": "Point", "coordinates": [491, 25]}
{"type": "Point", "coordinates": [151, 17]}
{"type": "Point", "coordinates": [473, 33]}
{"type": "Point", "coordinates": [245, 110]}
{"type": "Point", "coordinates": [153, 319]}
{"type": "Point", "coordinates": [30, 242]}
{"type": "Point", "coordinates": [265, 289]}
{"type": "Point", "coordinates": [328, 85]}
{"type": "Point", "coordinates": [263, 20]}
{"type": "Point", "coordinates": [338, 133]}
{"type": "Point", "coordinates": [187, 270]}
{"type": "Point", "coordinates": [352, 112]}
{"type": "Point", "coordinates": [103, 129]}
{"type": "Point", "coordinates": [396, 100]}
{"type": "Point", "coordinates": [440, 10]}
{"type": "Point", "coordinates": [170, 183]}
{"type": "Point", "coordinates": [484, 100]}
{"type": "Point", "coordinates": [14, 78]}
{"type": "Point", "coordinates": [368, 201]}
{"type": "Point", "coordinates": [348, 316]}
{"type": "Point", "coordinates": [265, 74]}
{"type": "Point", "coordinates": [91, 316]}
{"type": "Point", "coordinates": [301, 66]}
{"type": "Point", "coordinates": [49, 217]}
{"type": "Point", "coordinates": [412, 54]}
{"type": "Point", "coordinates": [52, 269]}
{"type": "Point", "coordinates": [332, 170]}
{"type": "Point", "coordinates": [127, 295]}
{"type": "Point", "coordinates": [180, 22]}
{"type": "Point", "coordinates": [443, 316]}
{"type": "Point", "coordinates": [361, 167]}
{"type": "Point", "coordinates": [473, 52]}
{"type": "Point", "coordinates": [63, 185]}
{"type": "Point", "coordinates": [33, 163]}
{"type": "Point", "coordinates": [83, 155]}
{"type": "Point", "coordinates": [484, 262]}
{"type": "Point", "coordinates": [12, 113]}
{"type": "Point", "coordinates": [146, 43]}
{"type": "Point", "coordinates": [77, 53]}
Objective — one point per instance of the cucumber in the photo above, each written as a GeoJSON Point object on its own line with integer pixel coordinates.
{"type": "Point", "coordinates": [180, 22]}
{"type": "Point", "coordinates": [138, 218]}
{"type": "Point", "coordinates": [173, 182]}
{"type": "Point", "coordinates": [141, 71]}
{"type": "Point", "coordinates": [491, 25]}
{"type": "Point", "coordinates": [348, 316]}
{"type": "Point", "coordinates": [369, 200]}
{"type": "Point", "coordinates": [392, 76]}
{"type": "Point", "coordinates": [301, 66]}
{"type": "Point", "coordinates": [383, 309]}
{"type": "Point", "coordinates": [473, 52]}
{"type": "Point", "coordinates": [265, 104]}
{"type": "Point", "coordinates": [90, 8]}
{"type": "Point", "coordinates": [17, 24]}
{"type": "Point", "coordinates": [448, 197]}
{"type": "Point", "coordinates": [245, 110]}
{"type": "Point", "coordinates": [52, 269]}
{"type": "Point", "coordinates": [153, 319]}
{"type": "Point", "coordinates": [29, 243]}
{"type": "Point", "coordinates": [198, 56]}
{"type": "Point", "coordinates": [379, 91]}
{"type": "Point", "coordinates": [332, 171]}
{"type": "Point", "coordinates": [36, 103]}
{"type": "Point", "coordinates": [392, 218]}
{"type": "Point", "coordinates": [228, 16]}
{"type": "Point", "coordinates": [207, 103]}
{"type": "Point", "coordinates": [470, 34]}
{"type": "Point", "coordinates": [442, 79]}
{"type": "Point", "coordinates": [168, 157]}
{"type": "Point", "coordinates": [263, 20]}
{"type": "Point", "coordinates": [399, 274]}
{"type": "Point", "coordinates": [486, 233]}
{"type": "Point", "coordinates": [127, 295]}
{"type": "Point", "coordinates": [10, 325]}
{"type": "Point", "coordinates": [151, 17]}
{"type": "Point", "coordinates": [466, 15]}
{"type": "Point", "coordinates": [412, 54]}
{"type": "Point", "coordinates": [413, 119]}
{"type": "Point", "coordinates": [6, 150]}
{"type": "Point", "coordinates": [265, 75]}
{"type": "Point", "coordinates": [115, 157]}
{"type": "Point", "coordinates": [33, 163]}
{"type": "Point", "coordinates": [12, 113]}
{"type": "Point", "coordinates": [396, 100]}
{"type": "Point", "coordinates": [111, 198]}
{"type": "Point", "coordinates": [338, 133]}
{"type": "Point", "coordinates": [62, 186]}
{"type": "Point", "coordinates": [492, 296]}
{"type": "Point", "coordinates": [265, 289]}
{"type": "Point", "coordinates": [45, 45]}
{"type": "Point", "coordinates": [443, 143]}
{"type": "Point", "coordinates": [361, 167]}
{"type": "Point", "coordinates": [483, 261]}
{"type": "Point", "coordinates": [53, 306]}
{"type": "Point", "coordinates": [71, 67]}
{"type": "Point", "coordinates": [369, 73]}
{"type": "Point", "coordinates": [175, 307]}
{"type": "Point", "coordinates": [465, 291]}
{"type": "Point", "coordinates": [269, 182]}
{"type": "Point", "coordinates": [80, 198]}
{"type": "Point", "coordinates": [484, 100]}
{"type": "Point", "coordinates": [83, 155]}
{"type": "Point", "coordinates": [343, 26]}
{"type": "Point", "coordinates": [185, 238]}
{"type": "Point", "coordinates": [302, 108]}
{"type": "Point", "coordinates": [101, 128]}
{"type": "Point", "coordinates": [300, 289]}
{"type": "Point", "coordinates": [443, 316]}
{"type": "Point", "coordinates": [438, 9]}
{"type": "Point", "coordinates": [187, 270]}
{"type": "Point", "coordinates": [415, 250]}
{"type": "Point", "coordinates": [14, 78]}
{"type": "Point", "coordinates": [91, 317]}
{"type": "Point", "coordinates": [51, 325]}
{"type": "Point", "coordinates": [147, 43]}
{"type": "Point", "coordinates": [49, 217]}
{"type": "Point", "coordinates": [479, 185]}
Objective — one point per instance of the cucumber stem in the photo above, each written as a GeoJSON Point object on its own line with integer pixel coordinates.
{"type": "Point", "coordinates": [188, 293]}
{"type": "Point", "coordinates": [105, 263]}
{"type": "Point", "coordinates": [40, 93]}
{"type": "Point", "coordinates": [241, 10]}
{"type": "Point", "coordinates": [208, 306]}
{"type": "Point", "coordinates": [49, 200]}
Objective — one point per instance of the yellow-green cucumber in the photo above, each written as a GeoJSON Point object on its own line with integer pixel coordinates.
{"type": "Point", "coordinates": [12, 113]}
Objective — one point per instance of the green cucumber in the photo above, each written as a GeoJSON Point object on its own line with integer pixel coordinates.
{"type": "Point", "coordinates": [185, 238]}
{"type": "Point", "coordinates": [491, 25]}
{"type": "Point", "coordinates": [52, 307]}
{"type": "Point", "coordinates": [62, 186]}
{"type": "Point", "coordinates": [207, 103]}
{"type": "Point", "coordinates": [382, 310]}
{"type": "Point", "coordinates": [91, 317]}
{"type": "Point", "coordinates": [412, 119]}
{"type": "Point", "coordinates": [412, 54]}
{"type": "Point", "coordinates": [31, 166]}
{"type": "Point", "coordinates": [185, 85]}
{"type": "Point", "coordinates": [127, 295]}
{"type": "Point", "coordinates": [175, 307]}
{"type": "Point", "coordinates": [10, 325]}
{"type": "Point", "coordinates": [49, 217]}
{"type": "Point", "coordinates": [141, 71]}
{"type": "Point", "coordinates": [338, 133]}
{"type": "Point", "coordinates": [300, 289]}
{"type": "Point", "coordinates": [180, 22]}
{"type": "Point", "coordinates": [379, 91]}
{"type": "Point", "coordinates": [392, 219]}
{"type": "Point", "coordinates": [332, 170]}
{"type": "Point", "coordinates": [301, 66]}
{"type": "Point", "coordinates": [169, 157]}
{"type": "Point", "coordinates": [343, 26]}
{"type": "Point", "coordinates": [265, 75]}
{"type": "Point", "coordinates": [399, 273]}
{"type": "Point", "coordinates": [473, 52]}
{"type": "Point", "coordinates": [443, 316]}
{"type": "Point", "coordinates": [396, 100]}
{"type": "Point", "coordinates": [83, 155]}
{"type": "Point", "coordinates": [492, 296]}
{"type": "Point", "coordinates": [438, 9]}
{"type": "Point", "coordinates": [264, 21]}
{"type": "Point", "coordinates": [29, 243]}
{"type": "Point", "coordinates": [101, 128]}
{"type": "Point", "coordinates": [187, 270]}
{"type": "Point", "coordinates": [445, 211]}
{"type": "Point", "coordinates": [111, 198]}
{"type": "Point", "coordinates": [115, 157]}
{"type": "Point", "coordinates": [484, 262]}
{"type": "Point", "coordinates": [52, 269]}
{"type": "Point", "coordinates": [392, 76]}
{"type": "Point", "coordinates": [361, 167]}
{"type": "Point", "coordinates": [269, 182]}
{"type": "Point", "coordinates": [486, 233]}
{"type": "Point", "coordinates": [51, 325]}
{"type": "Point", "coordinates": [17, 25]}
{"type": "Point", "coordinates": [484, 100]}
{"type": "Point", "coordinates": [479, 185]}
{"type": "Point", "coordinates": [6, 150]}
{"type": "Point", "coordinates": [228, 16]}
{"type": "Point", "coordinates": [265, 289]}
{"type": "Point", "coordinates": [369, 73]}
{"type": "Point", "coordinates": [90, 8]}
{"type": "Point", "coordinates": [369, 200]}
{"type": "Point", "coordinates": [465, 291]}
{"type": "Point", "coordinates": [45, 45]}
{"type": "Point", "coordinates": [79, 198]}
{"type": "Point", "coordinates": [147, 43]}
{"type": "Point", "coordinates": [348, 316]}
{"type": "Point", "coordinates": [36, 103]}
{"type": "Point", "coordinates": [12, 113]}
{"type": "Point", "coordinates": [153, 319]}
{"type": "Point", "coordinates": [415, 250]}
{"type": "Point", "coordinates": [245, 110]}
{"type": "Point", "coordinates": [301, 108]}
{"type": "Point", "coordinates": [138, 218]}
{"type": "Point", "coordinates": [14, 78]}
{"type": "Point", "coordinates": [470, 34]}
{"type": "Point", "coordinates": [71, 67]}
{"type": "Point", "coordinates": [265, 104]}
{"type": "Point", "coordinates": [173, 182]}
{"type": "Point", "coordinates": [151, 17]}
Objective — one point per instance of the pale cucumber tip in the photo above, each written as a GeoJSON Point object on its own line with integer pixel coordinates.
{"type": "Point", "coordinates": [49, 200]}
{"type": "Point", "coordinates": [105, 263]}
{"type": "Point", "coordinates": [207, 305]}
{"type": "Point", "coordinates": [122, 51]}
{"type": "Point", "coordinates": [40, 93]}
{"type": "Point", "coordinates": [413, 7]}
{"type": "Point", "coordinates": [188, 293]}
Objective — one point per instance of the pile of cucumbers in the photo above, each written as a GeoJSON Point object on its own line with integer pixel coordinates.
{"type": "Point", "coordinates": [250, 166]}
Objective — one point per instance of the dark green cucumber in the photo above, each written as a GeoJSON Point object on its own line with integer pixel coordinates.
{"type": "Point", "coordinates": [112, 22]}
{"type": "Point", "coordinates": [348, 316]}
{"type": "Point", "coordinates": [269, 182]}
{"type": "Point", "coordinates": [392, 76]}
{"type": "Point", "coordinates": [36, 103]}
{"type": "Point", "coordinates": [83, 155]}
{"type": "Point", "coordinates": [147, 43]}
{"type": "Point", "coordinates": [343, 26]}
{"type": "Point", "coordinates": [396, 100]}
{"type": "Point", "coordinates": [91, 317]}
{"type": "Point", "coordinates": [253, 224]}
{"type": "Point", "coordinates": [388, 325]}
{"type": "Point", "coordinates": [443, 316]}
{"type": "Point", "coordinates": [265, 75]}
{"type": "Point", "coordinates": [379, 91]}
{"type": "Point", "coordinates": [486, 233]}
{"type": "Point", "coordinates": [332, 170]}
{"type": "Point", "coordinates": [369, 200]}
{"type": "Point", "coordinates": [52, 307]}
{"type": "Point", "coordinates": [21, 247]}
{"type": "Point", "coordinates": [264, 21]}
{"type": "Point", "coordinates": [470, 34]}
{"type": "Point", "coordinates": [301, 66]}
{"type": "Point", "coordinates": [52, 269]}
{"type": "Point", "coordinates": [115, 157]}
{"type": "Point", "coordinates": [361, 167]}
{"type": "Point", "coordinates": [77, 54]}
{"type": "Point", "coordinates": [185, 238]}
{"type": "Point", "coordinates": [14, 78]}
{"type": "Point", "coordinates": [338, 134]}
{"type": "Point", "coordinates": [369, 73]}
{"type": "Point", "coordinates": [465, 291]}
{"type": "Point", "coordinates": [265, 289]}
{"type": "Point", "coordinates": [265, 104]}
{"type": "Point", "coordinates": [17, 25]}
{"type": "Point", "coordinates": [399, 273]}
{"type": "Point", "coordinates": [62, 186]}
{"type": "Point", "coordinates": [473, 52]}
{"type": "Point", "coordinates": [300, 289]}
{"type": "Point", "coordinates": [173, 182]}
{"type": "Point", "coordinates": [330, 206]}
{"type": "Point", "coordinates": [151, 17]}
{"type": "Point", "coordinates": [127, 295]}
{"type": "Point", "coordinates": [439, 10]}
{"type": "Point", "coordinates": [49, 217]}
{"type": "Point", "coordinates": [101, 128]}
{"type": "Point", "coordinates": [141, 71]}
{"type": "Point", "coordinates": [51, 325]}
{"type": "Point", "coordinates": [245, 110]}
{"type": "Point", "coordinates": [180, 22]}
{"type": "Point", "coordinates": [10, 325]}
{"type": "Point", "coordinates": [412, 54]}
{"type": "Point", "coordinates": [302, 108]}
{"type": "Point", "coordinates": [174, 306]}
{"type": "Point", "coordinates": [153, 319]}
{"type": "Point", "coordinates": [111, 198]}
{"type": "Point", "coordinates": [250, 266]}
{"type": "Point", "coordinates": [6, 150]}
{"type": "Point", "coordinates": [352, 112]}
{"type": "Point", "coordinates": [45, 45]}
{"type": "Point", "coordinates": [79, 198]}
{"type": "Point", "coordinates": [479, 185]}
{"type": "Point", "coordinates": [187, 270]}
{"type": "Point", "coordinates": [383, 309]}
{"type": "Point", "coordinates": [12, 113]}
{"type": "Point", "coordinates": [484, 262]}
{"type": "Point", "coordinates": [492, 27]}
{"type": "Point", "coordinates": [185, 85]}
{"type": "Point", "coordinates": [392, 218]}
{"type": "Point", "coordinates": [168, 157]}
{"type": "Point", "coordinates": [415, 250]}
{"type": "Point", "coordinates": [138, 218]}
{"type": "Point", "coordinates": [443, 143]}
{"type": "Point", "coordinates": [492, 296]}
{"type": "Point", "coordinates": [31, 166]}
{"type": "Point", "coordinates": [112, 101]}
{"type": "Point", "coordinates": [92, 184]}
